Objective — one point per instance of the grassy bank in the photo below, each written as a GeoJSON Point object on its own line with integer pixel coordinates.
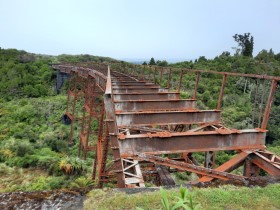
{"type": "Point", "coordinates": [224, 197]}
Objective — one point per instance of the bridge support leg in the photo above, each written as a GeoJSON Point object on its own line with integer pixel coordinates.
{"type": "Point", "coordinates": [250, 169]}
{"type": "Point", "coordinates": [60, 78]}
{"type": "Point", "coordinates": [71, 104]}
{"type": "Point", "coordinates": [92, 111]}
{"type": "Point", "coordinates": [209, 161]}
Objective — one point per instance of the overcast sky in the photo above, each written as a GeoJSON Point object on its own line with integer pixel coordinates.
{"type": "Point", "coordinates": [174, 29]}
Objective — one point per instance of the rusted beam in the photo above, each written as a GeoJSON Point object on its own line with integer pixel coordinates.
{"type": "Point", "coordinates": [235, 74]}
{"type": "Point", "coordinates": [228, 166]}
{"type": "Point", "coordinates": [116, 83]}
{"type": "Point", "coordinates": [222, 92]}
{"type": "Point", "coordinates": [189, 167]}
{"type": "Point", "coordinates": [113, 130]}
{"type": "Point", "coordinates": [160, 78]}
{"type": "Point", "coordinates": [141, 105]}
{"type": "Point", "coordinates": [135, 86]}
{"type": "Point", "coordinates": [191, 142]}
{"type": "Point", "coordinates": [146, 96]}
{"type": "Point", "coordinates": [265, 164]}
{"type": "Point", "coordinates": [250, 169]}
{"type": "Point", "coordinates": [196, 85]}
{"type": "Point", "coordinates": [269, 104]}
{"type": "Point", "coordinates": [139, 90]}
{"type": "Point", "coordinates": [180, 81]}
{"type": "Point", "coordinates": [167, 117]}
{"type": "Point", "coordinates": [169, 78]}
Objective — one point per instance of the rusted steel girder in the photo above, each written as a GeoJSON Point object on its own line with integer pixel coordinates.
{"type": "Point", "coordinates": [149, 105]}
{"type": "Point", "coordinates": [269, 103]}
{"type": "Point", "coordinates": [271, 166]}
{"type": "Point", "coordinates": [134, 86]}
{"type": "Point", "coordinates": [167, 117]}
{"type": "Point", "coordinates": [139, 90]}
{"type": "Point", "coordinates": [229, 166]}
{"type": "Point", "coordinates": [130, 83]}
{"type": "Point", "coordinates": [189, 167]}
{"type": "Point", "coordinates": [222, 92]}
{"type": "Point", "coordinates": [147, 96]}
{"type": "Point", "coordinates": [168, 143]}
{"type": "Point", "coordinates": [113, 131]}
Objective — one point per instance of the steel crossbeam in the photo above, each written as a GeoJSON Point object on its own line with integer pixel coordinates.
{"type": "Point", "coordinates": [168, 143]}
{"type": "Point", "coordinates": [167, 117]}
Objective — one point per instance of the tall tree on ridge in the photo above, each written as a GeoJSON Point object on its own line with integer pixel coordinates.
{"type": "Point", "coordinates": [246, 42]}
{"type": "Point", "coordinates": [152, 62]}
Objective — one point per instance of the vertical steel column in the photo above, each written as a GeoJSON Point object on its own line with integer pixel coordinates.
{"type": "Point", "coordinates": [209, 160]}
{"type": "Point", "coordinates": [196, 85]}
{"type": "Point", "coordinates": [180, 81]}
{"type": "Point", "coordinates": [261, 108]}
{"type": "Point", "coordinates": [71, 104]}
{"type": "Point", "coordinates": [269, 103]}
{"type": "Point", "coordinates": [222, 92]}
{"type": "Point", "coordinates": [90, 111]}
{"type": "Point", "coordinates": [155, 72]}
{"type": "Point", "coordinates": [250, 169]}
{"type": "Point", "coordinates": [160, 79]}
{"type": "Point", "coordinates": [169, 78]}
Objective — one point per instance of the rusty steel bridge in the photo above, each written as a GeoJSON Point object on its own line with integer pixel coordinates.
{"type": "Point", "coordinates": [146, 132]}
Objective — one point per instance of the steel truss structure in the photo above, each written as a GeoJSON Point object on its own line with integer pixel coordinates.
{"type": "Point", "coordinates": [150, 132]}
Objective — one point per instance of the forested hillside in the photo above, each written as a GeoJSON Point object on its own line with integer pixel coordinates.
{"type": "Point", "coordinates": [34, 152]}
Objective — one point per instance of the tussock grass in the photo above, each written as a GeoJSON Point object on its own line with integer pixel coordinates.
{"type": "Point", "coordinates": [224, 197]}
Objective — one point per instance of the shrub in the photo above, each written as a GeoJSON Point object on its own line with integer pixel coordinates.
{"type": "Point", "coordinates": [72, 166]}
{"type": "Point", "coordinates": [82, 182]}
{"type": "Point", "coordinates": [56, 182]}
{"type": "Point", "coordinates": [6, 154]}
{"type": "Point", "coordinates": [22, 148]}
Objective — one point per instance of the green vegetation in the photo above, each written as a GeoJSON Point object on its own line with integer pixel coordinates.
{"type": "Point", "coordinates": [223, 197]}
{"type": "Point", "coordinates": [184, 201]}
{"type": "Point", "coordinates": [34, 137]}
{"type": "Point", "coordinates": [34, 151]}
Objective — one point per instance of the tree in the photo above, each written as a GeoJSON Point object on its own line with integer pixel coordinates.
{"type": "Point", "coordinates": [246, 42]}
{"type": "Point", "coordinates": [144, 63]}
{"type": "Point", "coordinates": [163, 63]}
{"type": "Point", "coordinates": [277, 56]}
{"type": "Point", "coordinates": [152, 62]}
{"type": "Point", "coordinates": [202, 59]}
{"type": "Point", "coordinates": [265, 55]}
{"type": "Point", "coordinates": [225, 54]}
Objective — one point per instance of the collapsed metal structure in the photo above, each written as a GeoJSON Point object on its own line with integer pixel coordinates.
{"type": "Point", "coordinates": [150, 132]}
